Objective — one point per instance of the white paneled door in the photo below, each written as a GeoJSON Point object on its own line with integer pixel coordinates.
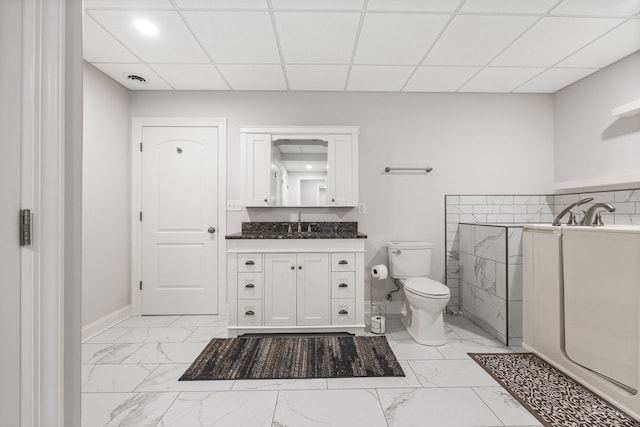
{"type": "Point", "coordinates": [179, 220]}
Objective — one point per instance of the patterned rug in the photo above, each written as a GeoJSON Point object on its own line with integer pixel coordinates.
{"type": "Point", "coordinates": [553, 398]}
{"type": "Point", "coordinates": [294, 357]}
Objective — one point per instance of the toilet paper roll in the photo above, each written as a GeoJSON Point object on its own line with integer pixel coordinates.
{"type": "Point", "coordinates": [379, 271]}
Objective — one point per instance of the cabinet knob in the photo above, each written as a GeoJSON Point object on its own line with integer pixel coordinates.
{"type": "Point", "coordinates": [343, 285]}
{"type": "Point", "coordinates": [249, 313]}
{"type": "Point", "coordinates": [293, 267]}
{"type": "Point", "coordinates": [343, 262]}
{"type": "Point", "coordinates": [333, 200]}
{"type": "Point", "coordinates": [249, 263]}
{"type": "Point", "coordinates": [299, 267]}
{"type": "Point", "coordinates": [266, 200]}
{"type": "Point", "coordinates": [211, 230]}
{"type": "Point", "coordinates": [343, 312]}
{"type": "Point", "coordinates": [249, 285]}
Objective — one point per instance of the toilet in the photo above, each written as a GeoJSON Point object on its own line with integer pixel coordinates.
{"type": "Point", "coordinates": [410, 266]}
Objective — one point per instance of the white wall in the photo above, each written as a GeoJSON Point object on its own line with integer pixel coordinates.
{"type": "Point", "coordinates": [106, 197]}
{"type": "Point", "coordinates": [589, 143]}
{"type": "Point", "coordinates": [10, 123]}
{"type": "Point", "coordinates": [476, 143]}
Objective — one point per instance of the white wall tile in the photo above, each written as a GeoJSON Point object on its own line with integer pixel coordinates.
{"type": "Point", "coordinates": [499, 200]}
{"type": "Point", "coordinates": [526, 218]}
{"type": "Point", "coordinates": [501, 218]}
{"type": "Point", "coordinates": [512, 209]}
{"type": "Point", "coordinates": [525, 200]}
{"type": "Point", "coordinates": [490, 242]}
{"type": "Point", "coordinates": [627, 196]}
{"type": "Point", "coordinates": [473, 200]}
{"type": "Point", "coordinates": [486, 209]}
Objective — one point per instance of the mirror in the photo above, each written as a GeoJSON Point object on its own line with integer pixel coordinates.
{"type": "Point", "coordinates": [299, 172]}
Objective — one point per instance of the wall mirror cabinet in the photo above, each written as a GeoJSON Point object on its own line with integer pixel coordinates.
{"type": "Point", "coordinates": [299, 166]}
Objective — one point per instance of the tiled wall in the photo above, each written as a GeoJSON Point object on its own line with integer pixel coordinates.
{"type": "Point", "coordinates": [490, 278]}
{"type": "Point", "coordinates": [505, 209]}
{"type": "Point", "coordinates": [519, 209]}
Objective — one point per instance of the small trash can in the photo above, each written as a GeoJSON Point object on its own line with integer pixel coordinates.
{"type": "Point", "coordinates": [378, 318]}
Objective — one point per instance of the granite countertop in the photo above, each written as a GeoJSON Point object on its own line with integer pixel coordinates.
{"type": "Point", "coordinates": [280, 230]}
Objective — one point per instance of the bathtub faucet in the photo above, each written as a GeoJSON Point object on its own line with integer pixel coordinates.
{"type": "Point", "coordinates": [568, 209]}
{"type": "Point", "coordinates": [590, 219]}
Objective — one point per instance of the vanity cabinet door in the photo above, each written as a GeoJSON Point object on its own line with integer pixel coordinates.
{"type": "Point", "coordinates": [280, 289]}
{"type": "Point", "coordinates": [255, 152]}
{"type": "Point", "coordinates": [313, 290]}
{"type": "Point", "coordinates": [342, 173]}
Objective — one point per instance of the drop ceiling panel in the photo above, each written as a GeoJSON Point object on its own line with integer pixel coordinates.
{"type": "Point", "coordinates": [100, 46]}
{"type": "Point", "coordinates": [553, 39]}
{"type": "Point", "coordinates": [555, 79]}
{"type": "Point", "coordinates": [508, 6]}
{"type": "Point", "coordinates": [173, 44]}
{"type": "Point", "coordinates": [317, 77]}
{"type": "Point", "coordinates": [439, 79]}
{"type": "Point", "coordinates": [598, 7]}
{"type": "Point", "coordinates": [400, 39]}
{"type": "Point", "coordinates": [254, 77]}
{"type": "Point", "coordinates": [378, 78]}
{"type": "Point", "coordinates": [127, 4]}
{"type": "Point", "coordinates": [191, 76]}
{"type": "Point", "coordinates": [499, 79]}
{"type": "Point", "coordinates": [475, 40]}
{"type": "Point", "coordinates": [222, 4]}
{"type": "Point", "coordinates": [119, 73]}
{"type": "Point", "coordinates": [317, 38]}
{"type": "Point", "coordinates": [318, 4]}
{"type": "Point", "coordinates": [611, 47]}
{"type": "Point", "coordinates": [236, 37]}
{"type": "Point", "coordinates": [414, 5]}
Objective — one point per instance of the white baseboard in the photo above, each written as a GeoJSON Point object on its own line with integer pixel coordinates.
{"type": "Point", "coordinates": [94, 328]}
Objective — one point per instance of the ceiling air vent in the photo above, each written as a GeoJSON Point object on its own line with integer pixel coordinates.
{"type": "Point", "coordinates": [136, 78]}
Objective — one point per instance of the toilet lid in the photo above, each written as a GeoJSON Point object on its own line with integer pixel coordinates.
{"type": "Point", "coordinates": [425, 286]}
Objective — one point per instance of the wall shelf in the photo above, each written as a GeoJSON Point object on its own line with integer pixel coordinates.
{"type": "Point", "coordinates": [598, 184]}
{"type": "Point", "coordinates": [627, 110]}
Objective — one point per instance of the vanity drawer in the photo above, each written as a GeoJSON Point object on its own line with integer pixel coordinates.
{"type": "Point", "coordinates": [343, 262]}
{"type": "Point", "coordinates": [343, 284]}
{"type": "Point", "coordinates": [250, 312]}
{"type": "Point", "coordinates": [343, 311]}
{"type": "Point", "coordinates": [250, 285]}
{"type": "Point", "coordinates": [248, 263]}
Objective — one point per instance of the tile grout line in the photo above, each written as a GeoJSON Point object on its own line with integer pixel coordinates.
{"type": "Point", "coordinates": [275, 407]}
{"type": "Point", "coordinates": [168, 407]}
{"type": "Point", "coordinates": [485, 404]}
{"type": "Point", "coordinates": [381, 407]}
{"type": "Point", "coordinates": [363, 13]}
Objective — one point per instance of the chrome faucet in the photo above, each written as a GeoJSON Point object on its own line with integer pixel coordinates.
{"type": "Point", "coordinates": [299, 222]}
{"type": "Point", "coordinates": [589, 219]}
{"type": "Point", "coordinates": [568, 209]}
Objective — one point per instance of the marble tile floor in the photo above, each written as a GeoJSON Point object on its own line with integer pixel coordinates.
{"type": "Point", "coordinates": [130, 378]}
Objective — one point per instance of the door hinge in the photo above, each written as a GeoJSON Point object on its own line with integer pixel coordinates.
{"type": "Point", "coordinates": [25, 227]}
{"type": "Point", "coordinates": [140, 284]}
{"type": "Point", "coordinates": [141, 147]}
{"type": "Point", "coordinates": [140, 215]}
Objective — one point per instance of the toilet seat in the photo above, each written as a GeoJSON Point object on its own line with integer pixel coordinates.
{"type": "Point", "coordinates": [425, 287]}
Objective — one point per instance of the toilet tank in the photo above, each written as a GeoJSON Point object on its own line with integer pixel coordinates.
{"type": "Point", "coordinates": [409, 259]}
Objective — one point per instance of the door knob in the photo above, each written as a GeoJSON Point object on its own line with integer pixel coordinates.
{"type": "Point", "coordinates": [211, 230]}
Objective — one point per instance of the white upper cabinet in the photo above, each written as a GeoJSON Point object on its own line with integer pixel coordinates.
{"type": "Point", "coordinates": [256, 158]}
{"type": "Point", "coordinates": [299, 166]}
{"type": "Point", "coordinates": [342, 177]}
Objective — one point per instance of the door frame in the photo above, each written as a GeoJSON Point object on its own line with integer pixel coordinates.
{"type": "Point", "coordinates": [137, 123]}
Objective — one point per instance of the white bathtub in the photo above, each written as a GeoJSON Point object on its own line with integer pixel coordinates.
{"type": "Point", "coordinates": [544, 319]}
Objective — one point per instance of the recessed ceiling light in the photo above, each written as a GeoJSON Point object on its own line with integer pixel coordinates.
{"type": "Point", "coordinates": [309, 166]}
{"type": "Point", "coordinates": [146, 27]}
